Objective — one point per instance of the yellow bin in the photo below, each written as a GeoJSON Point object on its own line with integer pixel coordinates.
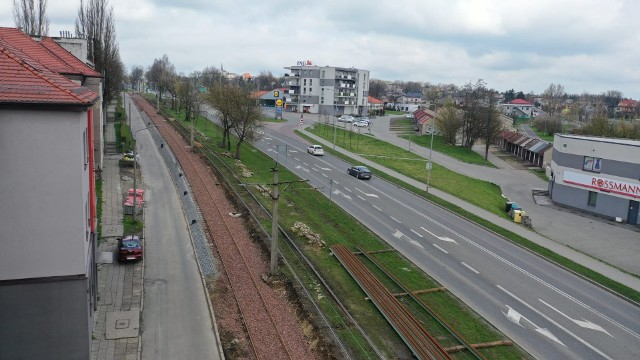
{"type": "Point", "coordinates": [517, 216]}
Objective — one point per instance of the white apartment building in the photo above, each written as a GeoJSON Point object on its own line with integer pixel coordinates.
{"type": "Point", "coordinates": [326, 90]}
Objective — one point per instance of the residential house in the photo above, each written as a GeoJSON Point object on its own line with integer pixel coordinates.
{"type": "Point", "coordinates": [48, 210]}
{"type": "Point", "coordinates": [518, 108]}
{"type": "Point", "coordinates": [627, 108]}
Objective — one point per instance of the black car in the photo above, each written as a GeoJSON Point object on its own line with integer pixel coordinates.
{"type": "Point", "coordinates": [129, 248]}
{"type": "Point", "coordinates": [360, 172]}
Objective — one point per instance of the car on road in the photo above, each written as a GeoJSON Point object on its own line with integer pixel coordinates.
{"type": "Point", "coordinates": [346, 118]}
{"type": "Point", "coordinates": [129, 248]}
{"type": "Point", "coordinates": [361, 124]}
{"type": "Point", "coordinates": [315, 150]}
{"type": "Point", "coordinates": [365, 119]}
{"type": "Point", "coordinates": [360, 172]}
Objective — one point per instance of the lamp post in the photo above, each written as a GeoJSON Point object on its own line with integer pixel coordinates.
{"type": "Point", "coordinates": [429, 164]}
{"type": "Point", "coordinates": [135, 169]}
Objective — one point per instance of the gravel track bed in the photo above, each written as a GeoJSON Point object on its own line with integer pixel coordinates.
{"type": "Point", "coordinates": [267, 317]}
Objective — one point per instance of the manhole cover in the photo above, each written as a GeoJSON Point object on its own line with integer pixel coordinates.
{"type": "Point", "coordinates": [122, 323]}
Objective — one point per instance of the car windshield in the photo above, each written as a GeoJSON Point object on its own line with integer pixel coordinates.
{"type": "Point", "coordinates": [362, 168]}
{"type": "Point", "coordinates": [130, 243]}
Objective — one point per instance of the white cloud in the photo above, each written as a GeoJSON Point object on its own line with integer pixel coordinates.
{"type": "Point", "coordinates": [585, 45]}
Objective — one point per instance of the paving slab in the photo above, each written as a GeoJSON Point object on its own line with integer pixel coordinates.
{"type": "Point", "coordinates": [122, 324]}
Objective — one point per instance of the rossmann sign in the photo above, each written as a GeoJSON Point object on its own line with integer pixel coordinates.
{"type": "Point", "coordinates": [305, 63]}
{"type": "Point", "coordinates": [605, 185]}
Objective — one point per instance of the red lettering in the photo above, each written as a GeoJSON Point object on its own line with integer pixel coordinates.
{"type": "Point", "coordinates": [593, 181]}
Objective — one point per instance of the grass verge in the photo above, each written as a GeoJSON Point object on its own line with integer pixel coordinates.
{"type": "Point", "coordinates": [457, 152]}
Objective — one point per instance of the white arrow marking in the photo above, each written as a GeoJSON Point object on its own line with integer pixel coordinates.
{"type": "Point", "coordinates": [398, 234]}
{"type": "Point", "coordinates": [417, 233]}
{"type": "Point", "coordinates": [443, 238]}
{"type": "Point", "coordinates": [377, 208]}
{"type": "Point", "coordinates": [416, 243]}
{"type": "Point", "coordinates": [515, 317]}
{"type": "Point", "coordinates": [441, 249]}
{"type": "Point", "coordinates": [470, 268]}
{"type": "Point", "coordinates": [555, 323]}
{"type": "Point", "coordinates": [367, 194]}
{"type": "Point", "coordinates": [548, 334]}
{"type": "Point", "coordinates": [584, 323]}
{"type": "Point", "coordinates": [293, 151]}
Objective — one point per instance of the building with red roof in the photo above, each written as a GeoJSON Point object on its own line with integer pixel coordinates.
{"type": "Point", "coordinates": [48, 210]}
{"type": "Point", "coordinates": [627, 108]}
{"type": "Point", "coordinates": [518, 108]}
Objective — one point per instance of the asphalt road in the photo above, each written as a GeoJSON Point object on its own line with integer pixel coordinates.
{"type": "Point", "coordinates": [175, 320]}
{"type": "Point", "coordinates": [550, 312]}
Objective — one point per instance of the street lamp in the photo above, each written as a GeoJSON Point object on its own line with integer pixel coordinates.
{"type": "Point", "coordinates": [135, 169]}
{"type": "Point", "coordinates": [429, 164]}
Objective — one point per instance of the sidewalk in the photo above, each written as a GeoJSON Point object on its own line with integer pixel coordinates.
{"type": "Point", "coordinates": [598, 243]}
{"type": "Point", "coordinates": [116, 332]}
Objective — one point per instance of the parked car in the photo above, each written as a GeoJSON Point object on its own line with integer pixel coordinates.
{"type": "Point", "coordinates": [360, 172]}
{"type": "Point", "coordinates": [129, 248]}
{"type": "Point", "coordinates": [361, 124]}
{"type": "Point", "coordinates": [315, 150]}
{"type": "Point", "coordinates": [346, 118]}
{"type": "Point", "coordinates": [365, 119]}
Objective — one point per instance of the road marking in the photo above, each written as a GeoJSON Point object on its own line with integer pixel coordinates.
{"type": "Point", "coordinates": [337, 183]}
{"type": "Point", "coordinates": [394, 219]}
{"type": "Point", "coordinates": [555, 323]}
{"type": "Point", "coordinates": [377, 208]}
{"type": "Point", "coordinates": [325, 175]}
{"type": "Point", "coordinates": [338, 192]}
{"type": "Point", "coordinates": [296, 159]}
{"type": "Point", "coordinates": [293, 151]}
{"type": "Point", "coordinates": [417, 233]}
{"type": "Point", "coordinates": [305, 164]}
{"type": "Point", "coordinates": [349, 190]}
{"type": "Point", "coordinates": [314, 169]}
{"type": "Point", "coordinates": [470, 268]}
{"type": "Point", "coordinates": [443, 238]}
{"type": "Point", "coordinates": [303, 168]}
{"type": "Point", "coordinates": [584, 323]}
{"type": "Point", "coordinates": [416, 243]}
{"type": "Point", "coordinates": [515, 317]}
{"type": "Point", "coordinates": [361, 198]}
{"type": "Point", "coordinates": [367, 194]}
{"type": "Point", "coordinates": [441, 249]}
{"type": "Point", "coordinates": [398, 234]}
{"type": "Point", "coordinates": [321, 168]}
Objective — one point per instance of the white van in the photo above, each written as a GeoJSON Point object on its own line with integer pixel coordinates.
{"type": "Point", "coordinates": [315, 150]}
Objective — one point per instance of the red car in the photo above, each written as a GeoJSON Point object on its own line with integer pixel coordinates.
{"type": "Point", "coordinates": [129, 248]}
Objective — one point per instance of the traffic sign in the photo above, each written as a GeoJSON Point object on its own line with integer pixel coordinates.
{"type": "Point", "coordinates": [276, 93]}
{"type": "Point", "coordinates": [278, 102]}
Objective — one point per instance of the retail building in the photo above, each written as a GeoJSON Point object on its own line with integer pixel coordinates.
{"type": "Point", "coordinates": [597, 175]}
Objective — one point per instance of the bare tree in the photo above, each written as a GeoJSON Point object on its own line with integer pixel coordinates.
{"type": "Point", "coordinates": [136, 76]}
{"type": "Point", "coordinates": [163, 74]}
{"type": "Point", "coordinates": [492, 125]}
{"type": "Point", "coordinates": [31, 16]}
{"type": "Point", "coordinates": [96, 23]}
{"type": "Point", "coordinates": [475, 112]}
{"type": "Point", "coordinates": [553, 98]}
{"type": "Point", "coordinates": [377, 88]}
{"type": "Point", "coordinates": [245, 116]}
{"type": "Point", "coordinates": [217, 98]}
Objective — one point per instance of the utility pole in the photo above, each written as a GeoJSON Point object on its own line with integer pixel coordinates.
{"type": "Point", "coordinates": [274, 223]}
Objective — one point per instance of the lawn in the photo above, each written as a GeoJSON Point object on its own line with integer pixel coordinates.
{"type": "Point", "coordinates": [457, 152]}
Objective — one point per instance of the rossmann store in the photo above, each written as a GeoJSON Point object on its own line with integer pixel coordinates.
{"type": "Point", "coordinates": [597, 175]}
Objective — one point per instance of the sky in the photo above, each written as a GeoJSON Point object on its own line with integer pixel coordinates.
{"type": "Point", "coordinates": [584, 45]}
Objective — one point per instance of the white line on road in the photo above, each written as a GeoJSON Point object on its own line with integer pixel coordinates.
{"type": "Point", "coordinates": [555, 323]}
{"type": "Point", "coordinates": [441, 249]}
{"type": "Point", "coordinates": [416, 243]}
{"type": "Point", "coordinates": [394, 219]}
{"type": "Point", "coordinates": [398, 234]}
{"type": "Point", "coordinates": [443, 238]}
{"type": "Point", "coordinates": [296, 159]}
{"type": "Point", "coordinates": [325, 175]}
{"type": "Point", "coordinates": [417, 233]}
{"type": "Point", "coordinates": [377, 208]}
{"type": "Point", "coordinates": [361, 198]}
{"type": "Point", "coordinates": [584, 323]}
{"type": "Point", "coordinates": [321, 168]}
{"type": "Point", "coordinates": [470, 268]}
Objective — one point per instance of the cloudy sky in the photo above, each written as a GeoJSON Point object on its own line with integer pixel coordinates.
{"type": "Point", "coordinates": [584, 45]}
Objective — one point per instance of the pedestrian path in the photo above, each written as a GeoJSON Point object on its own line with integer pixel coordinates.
{"type": "Point", "coordinates": [116, 332]}
{"type": "Point", "coordinates": [564, 232]}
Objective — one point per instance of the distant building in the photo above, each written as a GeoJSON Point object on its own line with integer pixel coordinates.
{"type": "Point", "coordinates": [535, 151]}
{"type": "Point", "coordinates": [518, 108]}
{"type": "Point", "coordinates": [48, 220]}
{"type": "Point", "coordinates": [327, 90]}
{"type": "Point", "coordinates": [597, 175]}
{"type": "Point", "coordinates": [627, 108]}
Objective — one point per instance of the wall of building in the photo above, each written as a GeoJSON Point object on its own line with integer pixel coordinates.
{"type": "Point", "coordinates": [44, 189]}
{"type": "Point", "coordinates": [49, 320]}
{"type": "Point", "coordinates": [606, 206]}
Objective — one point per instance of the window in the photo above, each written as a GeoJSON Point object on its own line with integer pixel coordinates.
{"type": "Point", "coordinates": [310, 82]}
{"type": "Point", "coordinates": [323, 73]}
{"type": "Point", "coordinates": [591, 164]}
{"type": "Point", "coordinates": [593, 198]}
{"type": "Point", "coordinates": [322, 100]}
{"type": "Point", "coordinates": [305, 82]}
{"type": "Point", "coordinates": [304, 90]}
